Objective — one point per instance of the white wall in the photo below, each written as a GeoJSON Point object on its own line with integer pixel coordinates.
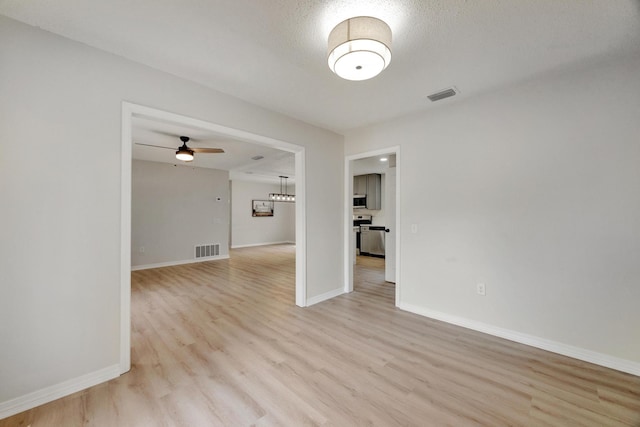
{"type": "Point", "coordinates": [61, 104]}
{"type": "Point", "coordinates": [173, 209]}
{"type": "Point", "coordinates": [247, 230]}
{"type": "Point", "coordinates": [535, 191]}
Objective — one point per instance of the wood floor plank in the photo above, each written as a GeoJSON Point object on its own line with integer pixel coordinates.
{"type": "Point", "coordinates": [221, 343]}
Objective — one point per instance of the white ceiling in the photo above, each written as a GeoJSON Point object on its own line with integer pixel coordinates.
{"type": "Point", "coordinates": [372, 164]}
{"type": "Point", "coordinates": [237, 156]}
{"type": "Point", "coordinates": [273, 53]}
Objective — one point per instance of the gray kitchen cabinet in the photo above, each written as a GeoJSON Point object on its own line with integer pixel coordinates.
{"type": "Point", "coordinates": [360, 185]}
{"type": "Point", "coordinates": [374, 192]}
{"type": "Point", "coordinates": [369, 185]}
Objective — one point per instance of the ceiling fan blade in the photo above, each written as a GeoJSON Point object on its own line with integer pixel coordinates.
{"type": "Point", "coordinates": [207, 150]}
{"type": "Point", "coordinates": [178, 136]}
{"type": "Point", "coordinates": [156, 146]}
{"type": "Point", "coordinates": [161, 132]}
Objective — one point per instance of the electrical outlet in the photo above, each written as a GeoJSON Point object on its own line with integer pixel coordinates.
{"type": "Point", "coordinates": [481, 289]}
{"type": "Point", "coordinates": [414, 228]}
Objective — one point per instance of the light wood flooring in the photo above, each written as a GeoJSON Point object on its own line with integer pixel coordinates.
{"type": "Point", "coordinates": [221, 343]}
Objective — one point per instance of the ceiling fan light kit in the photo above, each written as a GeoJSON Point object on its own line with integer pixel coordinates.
{"type": "Point", "coordinates": [184, 154]}
{"type": "Point", "coordinates": [359, 48]}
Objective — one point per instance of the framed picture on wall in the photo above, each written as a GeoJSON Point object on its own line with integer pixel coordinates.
{"type": "Point", "coordinates": [262, 208]}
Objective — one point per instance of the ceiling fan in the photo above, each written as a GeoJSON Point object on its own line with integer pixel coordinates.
{"type": "Point", "coordinates": [185, 153]}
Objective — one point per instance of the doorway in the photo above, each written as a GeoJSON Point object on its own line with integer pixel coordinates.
{"type": "Point", "coordinates": [129, 111]}
{"type": "Point", "coordinates": [387, 214]}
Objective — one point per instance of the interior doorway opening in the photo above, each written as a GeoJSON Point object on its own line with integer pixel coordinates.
{"type": "Point", "coordinates": [131, 111]}
{"type": "Point", "coordinates": [371, 216]}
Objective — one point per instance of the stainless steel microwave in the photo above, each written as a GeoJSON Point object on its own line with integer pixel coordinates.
{"type": "Point", "coordinates": [359, 201]}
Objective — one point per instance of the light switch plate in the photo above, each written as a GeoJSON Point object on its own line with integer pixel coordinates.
{"type": "Point", "coordinates": [481, 289]}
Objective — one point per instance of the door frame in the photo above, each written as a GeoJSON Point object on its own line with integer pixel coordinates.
{"type": "Point", "coordinates": [130, 110]}
{"type": "Point", "coordinates": [348, 215]}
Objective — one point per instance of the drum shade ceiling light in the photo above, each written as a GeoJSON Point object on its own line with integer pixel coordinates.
{"type": "Point", "coordinates": [359, 48]}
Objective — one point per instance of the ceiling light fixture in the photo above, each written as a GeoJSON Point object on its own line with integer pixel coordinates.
{"type": "Point", "coordinates": [282, 196]}
{"type": "Point", "coordinates": [184, 153]}
{"type": "Point", "coordinates": [383, 159]}
{"type": "Point", "coordinates": [359, 48]}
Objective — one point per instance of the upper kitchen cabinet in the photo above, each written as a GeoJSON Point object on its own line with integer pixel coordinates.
{"type": "Point", "coordinates": [369, 185]}
{"type": "Point", "coordinates": [360, 185]}
{"type": "Point", "coordinates": [374, 196]}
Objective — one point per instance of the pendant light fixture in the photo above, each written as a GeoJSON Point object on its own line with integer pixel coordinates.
{"type": "Point", "coordinates": [359, 48]}
{"type": "Point", "coordinates": [282, 196]}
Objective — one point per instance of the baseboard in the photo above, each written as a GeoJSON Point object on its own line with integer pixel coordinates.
{"type": "Point", "coordinates": [323, 297]}
{"type": "Point", "coordinates": [172, 263]}
{"type": "Point", "coordinates": [596, 358]}
{"type": "Point", "coordinates": [65, 388]}
{"type": "Point", "coordinates": [284, 242]}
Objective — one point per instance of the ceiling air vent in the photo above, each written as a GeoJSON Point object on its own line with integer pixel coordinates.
{"type": "Point", "coordinates": [258, 157]}
{"type": "Point", "coordinates": [443, 94]}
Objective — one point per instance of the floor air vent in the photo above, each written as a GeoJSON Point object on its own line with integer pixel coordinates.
{"type": "Point", "coordinates": [442, 94]}
{"type": "Point", "coordinates": [204, 251]}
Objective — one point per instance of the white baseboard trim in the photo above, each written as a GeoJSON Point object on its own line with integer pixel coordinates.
{"type": "Point", "coordinates": [601, 359]}
{"type": "Point", "coordinates": [323, 297]}
{"type": "Point", "coordinates": [284, 242]}
{"type": "Point", "coordinates": [172, 263]}
{"type": "Point", "coordinates": [65, 388]}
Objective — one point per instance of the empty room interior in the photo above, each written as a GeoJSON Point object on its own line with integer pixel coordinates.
{"type": "Point", "coordinates": [312, 212]}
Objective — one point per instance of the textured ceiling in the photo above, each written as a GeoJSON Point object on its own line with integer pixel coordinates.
{"type": "Point", "coordinates": [371, 165]}
{"type": "Point", "coordinates": [273, 53]}
{"type": "Point", "coordinates": [237, 158]}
